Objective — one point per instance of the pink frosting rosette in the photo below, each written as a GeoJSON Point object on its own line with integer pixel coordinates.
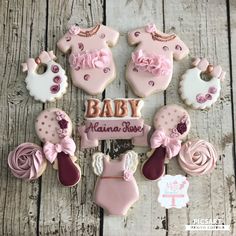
{"type": "Point", "coordinates": [197, 157]}
{"type": "Point", "coordinates": [27, 161]}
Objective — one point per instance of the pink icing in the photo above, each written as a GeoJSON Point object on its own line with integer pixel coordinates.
{"type": "Point", "coordinates": [158, 65]}
{"type": "Point", "coordinates": [26, 161]}
{"type": "Point", "coordinates": [150, 28]}
{"type": "Point", "coordinates": [197, 157]}
{"type": "Point", "coordinates": [127, 175]}
{"type": "Point", "coordinates": [74, 30]}
{"type": "Point", "coordinates": [93, 59]}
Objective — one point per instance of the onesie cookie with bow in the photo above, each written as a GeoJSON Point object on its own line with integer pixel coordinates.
{"type": "Point", "coordinates": [91, 62]}
{"type": "Point", "coordinates": [51, 84]}
{"type": "Point", "coordinates": [172, 124]}
{"type": "Point", "coordinates": [54, 128]}
{"type": "Point", "coordinates": [151, 65]}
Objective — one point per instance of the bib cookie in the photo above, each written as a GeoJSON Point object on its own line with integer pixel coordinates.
{"type": "Point", "coordinates": [151, 66]}
{"type": "Point", "coordinates": [116, 188]}
{"type": "Point", "coordinates": [54, 128]}
{"type": "Point", "coordinates": [51, 84]}
{"type": "Point", "coordinates": [195, 91]}
{"type": "Point", "coordinates": [172, 123]}
{"type": "Point", "coordinates": [91, 62]}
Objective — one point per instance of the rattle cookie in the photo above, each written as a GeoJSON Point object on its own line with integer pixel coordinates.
{"type": "Point", "coordinates": [195, 91]}
{"type": "Point", "coordinates": [51, 84]}
{"type": "Point", "coordinates": [27, 161]}
{"type": "Point", "coordinates": [116, 189]}
{"type": "Point", "coordinates": [54, 128]}
{"type": "Point", "coordinates": [197, 157]}
{"type": "Point", "coordinates": [151, 65]}
{"type": "Point", "coordinates": [172, 123]}
{"type": "Point", "coordinates": [91, 62]}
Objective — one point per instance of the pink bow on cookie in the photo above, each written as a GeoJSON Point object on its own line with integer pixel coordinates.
{"type": "Point", "coordinates": [66, 145]}
{"type": "Point", "coordinates": [172, 145]}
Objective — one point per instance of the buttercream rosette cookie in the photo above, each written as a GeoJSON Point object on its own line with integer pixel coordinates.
{"type": "Point", "coordinates": [54, 128]}
{"type": "Point", "coordinates": [27, 161]}
{"type": "Point", "coordinates": [172, 124]}
{"type": "Point", "coordinates": [197, 157]}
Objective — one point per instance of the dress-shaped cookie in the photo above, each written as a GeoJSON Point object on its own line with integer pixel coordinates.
{"type": "Point", "coordinates": [91, 61]}
{"type": "Point", "coordinates": [116, 188]}
{"type": "Point", "coordinates": [150, 68]}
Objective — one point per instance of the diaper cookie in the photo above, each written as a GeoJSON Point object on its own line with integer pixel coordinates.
{"type": "Point", "coordinates": [199, 93]}
{"type": "Point", "coordinates": [197, 157]}
{"type": "Point", "coordinates": [172, 124]}
{"type": "Point", "coordinates": [51, 84]}
{"type": "Point", "coordinates": [116, 189]}
{"type": "Point", "coordinates": [91, 62]}
{"type": "Point", "coordinates": [151, 65]}
{"type": "Point", "coordinates": [54, 128]}
{"type": "Point", "coordinates": [118, 118]}
{"type": "Point", "coordinates": [27, 161]}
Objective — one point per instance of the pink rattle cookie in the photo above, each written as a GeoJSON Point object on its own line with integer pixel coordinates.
{"type": "Point", "coordinates": [197, 157]}
{"type": "Point", "coordinates": [150, 68]}
{"type": "Point", "coordinates": [91, 61]}
{"type": "Point", "coordinates": [199, 93]}
{"type": "Point", "coordinates": [27, 161]}
{"type": "Point", "coordinates": [116, 188]}
{"type": "Point", "coordinates": [51, 84]}
{"type": "Point", "coordinates": [172, 123]}
{"type": "Point", "coordinates": [54, 128]}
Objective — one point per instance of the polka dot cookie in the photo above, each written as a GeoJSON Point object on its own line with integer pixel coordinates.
{"type": "Point", "coordinates": [49, 128]}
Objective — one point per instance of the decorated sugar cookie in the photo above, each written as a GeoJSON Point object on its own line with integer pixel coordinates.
{"type": "Point", "coordinates": [172, 124]}
{"type": "Point", "coordinates": [151, 65]}
{"type": "Point", "coordinates": [116, 188]}
{"type": "Point", "coordinates": [195, 91]}
{"type": "Point", "coordinates": [118, 118]}
{"type": "Point", "coordinates": [197, 157]}
{"type": "Point", "coordinates": [54, 128]}
{"type": "Point", "coordinates": [27, 161]}
{"type": "Point", "coordinates": [91, 62]}
{"type": "Point", "coordinates": [51, 84]}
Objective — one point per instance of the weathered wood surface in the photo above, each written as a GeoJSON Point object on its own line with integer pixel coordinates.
{"type": "Point", "coordinates": [43, 207]}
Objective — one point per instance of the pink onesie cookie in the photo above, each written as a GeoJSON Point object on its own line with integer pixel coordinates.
{"type": "Point", "coordinates": [116, 188]}
{"type": "Point", "coordinates": [150, 68]}
{"type": "Point", "coordinates": [48, 86]}
{"type": "Point", "coordinates": [91, 61]}
{"type": "Point", "coordinates": [172, 123]}
{"type": "Point", "coordinates": [54, 128]}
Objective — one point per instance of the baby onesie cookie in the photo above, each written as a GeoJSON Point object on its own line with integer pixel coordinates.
{"type": "Point", "coordinates": [197, 157]}
{"type": "Point", "coordinates": [27, 161]}
{"type": "Point", "coordinates": [116, 189]}
{"type": "Point", "coordinates": [91, 62]}
{"type": "Point", "coordinates": [172, 123]}
{"type": "Point", "coordinates": [51, 84]}
{"type": "Point", "coordinates": [150, 68]}
{"type": "Point", "coordinates": [195, 91]}
{"type": "Point", "coordinates": [54, 128]}
{"type": "Point", "coordinates": [118, 118]}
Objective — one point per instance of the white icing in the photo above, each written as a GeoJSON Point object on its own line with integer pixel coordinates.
{"type": "Point", "coordinates": [97, 163]}
{"type": "Point", "coordinates": [131, 161]}
{"type": "Point", "coordinates": [191, 85]}
{"type": "Point", "coordinates": [39, 84]}
{"type": "Point", "coordinates": [140, 105]}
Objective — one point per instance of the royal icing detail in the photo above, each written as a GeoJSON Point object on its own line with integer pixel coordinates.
{"type": "Point", "coordinates": [51, 84]}
{"type": "Point", "coordinates": [113, 119]}
{"type": "Point", "coordinates": [54, 128]}
{"type": "Point", "coordinates": [172, 123]}
{"type": "Point", "coordinates": [173, 191]}
{"type": "Point", "coordinates": [197, 157]}
{"type": "Point", "coordinates": [204, 93]}
{"type": "Point", "coordinates": [27, 161]}
{"type": "Point", "coordinates": [116, 188]}
{"type": "Point", "coordinates": [91, 62]}
{"type": "Point", "coordinates": [150, 68]}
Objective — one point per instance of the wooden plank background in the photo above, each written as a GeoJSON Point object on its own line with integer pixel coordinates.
{"type": "Point", "coordinates": [43, 207]}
